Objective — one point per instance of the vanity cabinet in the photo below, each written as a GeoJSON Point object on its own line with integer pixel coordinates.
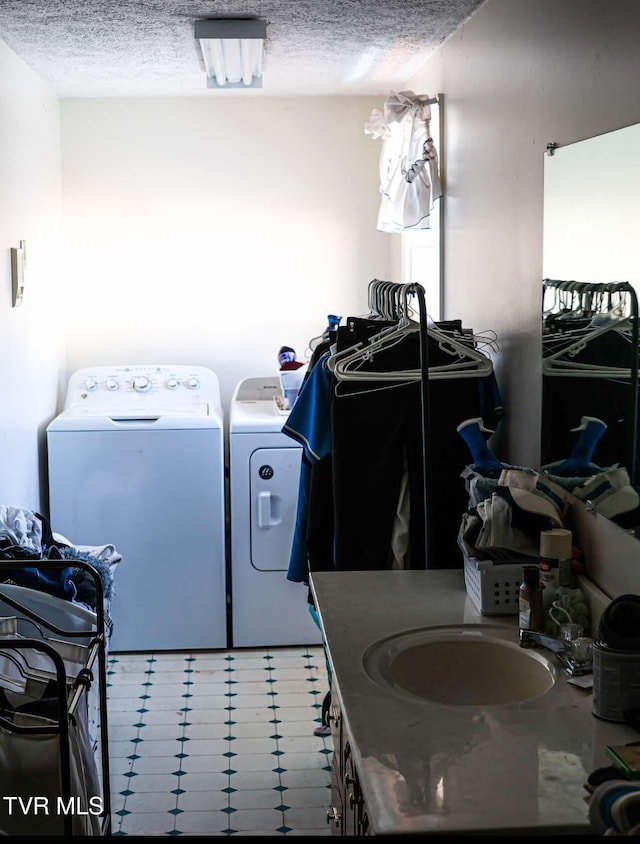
{"type": "Point", "coordinates": [335, 815]}
{"type": "Point", "coordinates": [410, 766]}
{"type": "Point", "coordinates": [347, 815]}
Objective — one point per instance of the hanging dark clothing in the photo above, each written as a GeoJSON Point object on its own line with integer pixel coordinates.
{"type": "Point", "coordinates": [376, 436]}
{"type": "Point", "coordinates": [566, 399]}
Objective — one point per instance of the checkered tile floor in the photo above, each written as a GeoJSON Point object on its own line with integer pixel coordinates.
{"type": "Point", "coordinates": [218, 743]}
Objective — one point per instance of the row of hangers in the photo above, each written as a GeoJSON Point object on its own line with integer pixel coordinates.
{"type": "Point", "coordinates": [389, 301]}
{"type": "Point", "coordinates": [575, 314]}
{"type": "Point", "coordinates": [571, 301]}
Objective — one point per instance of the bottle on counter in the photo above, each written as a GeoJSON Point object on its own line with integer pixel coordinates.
{"type": "Point", "coordinates": [555, 565]}
{"type": "Point", "coordinates": [555, 557]}
{"type": "Point", "coordinates": [530, 614]}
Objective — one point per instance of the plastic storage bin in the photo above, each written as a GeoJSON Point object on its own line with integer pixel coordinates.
{"type": "Point", "coordinates": [493, 588]}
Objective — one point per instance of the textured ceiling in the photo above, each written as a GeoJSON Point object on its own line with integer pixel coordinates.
{"type": "Point", "coordinates": [97, 48]}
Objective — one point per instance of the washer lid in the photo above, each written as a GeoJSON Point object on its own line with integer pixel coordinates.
{"type": "Point", "coordinates": [91, 418]}
{"type": "Point", "coordinates": [133, 411]}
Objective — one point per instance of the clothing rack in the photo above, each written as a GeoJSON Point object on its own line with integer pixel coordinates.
{"type": "Point", "coordinates": [373, 451]}
{"type": "Point", "coordinates": [418, 291]}
{"type": "Point", "coordinates": [389, 301]}
{"type": "Point", "coordinates": [69, 694]}
{"type": "Point", "coordinates": [450, 342]}
{"type": "Point", "coordinates": [592, 297]}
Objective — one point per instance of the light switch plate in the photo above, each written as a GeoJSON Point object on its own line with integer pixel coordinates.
{"type": "Point", "coordinates": [18, 260]}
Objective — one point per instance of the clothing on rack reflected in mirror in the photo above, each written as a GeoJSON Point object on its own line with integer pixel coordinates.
{"type": "Point", "coordinates": [589, 348]}
{"type": "Point", "coordinates": [590, 395]}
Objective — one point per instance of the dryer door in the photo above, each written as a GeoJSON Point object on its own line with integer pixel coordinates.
{"type": "Point", "coordinates": [275, 477]}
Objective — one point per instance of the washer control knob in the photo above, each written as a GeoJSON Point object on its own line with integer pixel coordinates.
{"type": "Point", "coordinates": [112, 384]}
{"type": "Point", "coordinates": [141, 383]}
{"type": "Point", "coordinates": [173, 383]}
{"type": "Point", "coordinates": [91, 383]}
{"type": "Point", "coordinates": [193, 383]}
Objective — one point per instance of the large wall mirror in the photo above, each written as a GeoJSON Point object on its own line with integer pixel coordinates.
{"type": "Point", "coordinates": [591, 268]}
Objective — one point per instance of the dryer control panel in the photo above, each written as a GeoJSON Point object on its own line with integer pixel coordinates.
{"type": "Point", "coordinates": [152, 387]}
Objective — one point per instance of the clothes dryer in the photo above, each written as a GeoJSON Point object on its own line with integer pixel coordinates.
{"type": "Point", "coordinates": [136, 459]}
{"type": "Point", "coordinates": [264, 475]}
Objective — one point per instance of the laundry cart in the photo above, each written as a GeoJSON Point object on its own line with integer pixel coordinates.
{"type": "Point", "coordinates": [264, 475]}
{"type": "Point", "coordinates": [136, 458]}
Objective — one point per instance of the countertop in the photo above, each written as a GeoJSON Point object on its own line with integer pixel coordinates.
{"type": "Point", "coordinates": [438, 768]}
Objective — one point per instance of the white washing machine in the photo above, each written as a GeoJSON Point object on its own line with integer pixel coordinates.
{"type": "Point", "coordinates": [136, 458]}
{"type": "Point", "coordinates": [264, 475]}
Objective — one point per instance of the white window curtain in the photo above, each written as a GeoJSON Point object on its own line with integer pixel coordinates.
{"type": "Point", "coordinates": [409, 175]}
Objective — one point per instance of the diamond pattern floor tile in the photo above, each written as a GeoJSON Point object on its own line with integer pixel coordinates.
{"type": "Point", "coordinates": [221, 743]}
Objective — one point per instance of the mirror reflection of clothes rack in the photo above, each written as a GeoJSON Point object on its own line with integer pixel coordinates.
{"type": "Point", "coordinates": [590, 368]}
{"type": "Point", "coordinates": [395, 385]}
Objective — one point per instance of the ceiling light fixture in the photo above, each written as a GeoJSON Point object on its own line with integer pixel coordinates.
{"type": "Point", "coordinates": [232, 51]}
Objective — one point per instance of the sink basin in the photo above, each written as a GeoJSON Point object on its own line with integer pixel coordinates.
{"type": "Point", "coordinates": [464, 665]}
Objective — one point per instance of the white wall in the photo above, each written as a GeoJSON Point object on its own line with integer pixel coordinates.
{"type": "Point", "coordinates": [214, 231]}
{"type": "Point", "coordinates": [518, 75]}
{"type": "Point", "coordinates": [30, 335]}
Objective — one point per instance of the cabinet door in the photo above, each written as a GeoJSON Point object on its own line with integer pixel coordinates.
{"type": "Point", "coordinates": [347, 815]}
{"type": "Point", "coordinates": [352, 794]}
{"type": "Point", "coordinates": [356, 820]}
{"type": "Point", "coordinates": [335, 722]}
{"type": "Point", "coordinates": [363, 825]}
{"type": "Point", "coordinates": [335, 816]}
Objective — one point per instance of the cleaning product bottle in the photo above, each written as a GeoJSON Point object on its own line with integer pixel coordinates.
{"type": "Point", "coordinates": [555, 558]}
{"type": "Point", "coordinates": [530, 600]}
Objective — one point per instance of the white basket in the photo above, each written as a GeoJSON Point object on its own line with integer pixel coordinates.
{"type": "Point", "coordinates": [493, 588]}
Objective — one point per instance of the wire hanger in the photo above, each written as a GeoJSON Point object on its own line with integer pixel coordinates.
{"type": "Point", "coordinates": [561, 361]}
{"type": "Point", "coordinates": [467, 363]}
{"type": "Point", "coordinates": [383, 296]}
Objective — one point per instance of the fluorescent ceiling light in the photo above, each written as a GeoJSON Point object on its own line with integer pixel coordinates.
{"type": "Point", "coordinates": [232, 51]}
